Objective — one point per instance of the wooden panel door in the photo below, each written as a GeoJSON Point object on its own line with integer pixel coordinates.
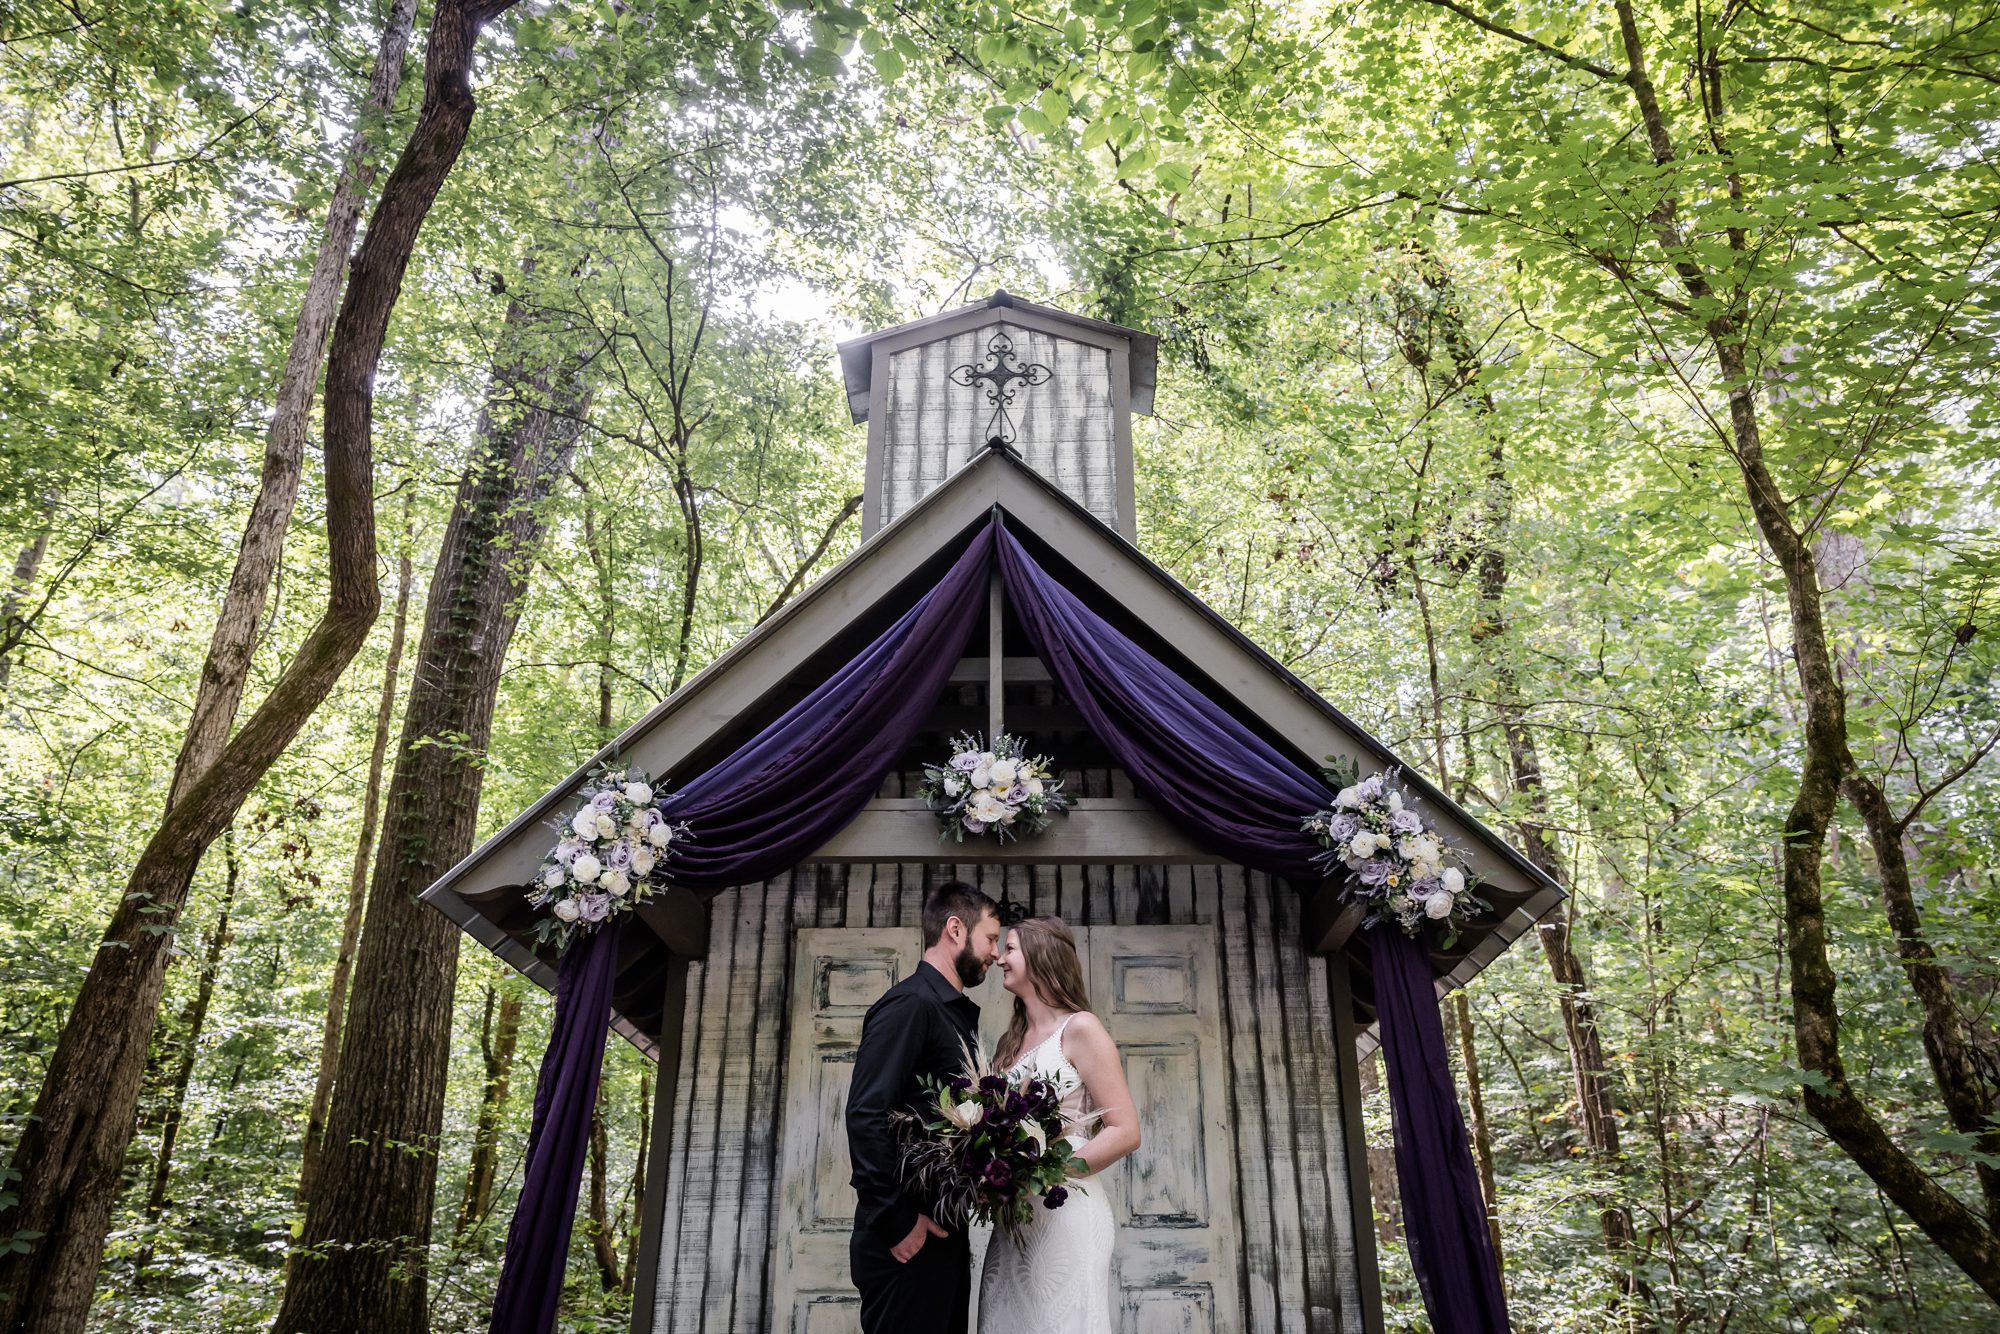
{"type": "Point", "coordinates": [1178, 1249]}
{"type": "Point", "coordinates": [836, 976]}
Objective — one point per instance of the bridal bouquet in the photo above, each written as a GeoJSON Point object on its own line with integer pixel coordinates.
{"type": "Point", "coordinates": [988, 1145]}
{"type": "Point", "coordinates": [1001, 790]}
{"type": "Point", "coordinates": [609, 859]}
{"type": "Point", "coordinates": [1396, 864]}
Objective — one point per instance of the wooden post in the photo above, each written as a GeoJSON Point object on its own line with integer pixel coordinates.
{"type": "Point", "coordinates": [1367, 1263]}
{"type": "Point", "coordinates": [673, 1017]}
{"type": "Point", "coordinates": [996, 662]}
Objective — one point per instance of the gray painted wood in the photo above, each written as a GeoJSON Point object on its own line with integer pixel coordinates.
{"type": "Point", "coordinates": [725, 1196]}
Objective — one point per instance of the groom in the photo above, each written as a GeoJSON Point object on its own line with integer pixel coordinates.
{"type": "Point", "coordinates": [913, 1274]}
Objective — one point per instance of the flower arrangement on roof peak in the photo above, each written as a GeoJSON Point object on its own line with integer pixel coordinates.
{"type": "Point", "coordinates": [1000, 791]}
{"type": "Point", "coordinates": [611, 857]}
{"type": "Point", "coordinates": [1397, 866]}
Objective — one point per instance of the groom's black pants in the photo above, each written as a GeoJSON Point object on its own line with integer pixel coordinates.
{"type": "Point", "coordinates": [932, 1294]}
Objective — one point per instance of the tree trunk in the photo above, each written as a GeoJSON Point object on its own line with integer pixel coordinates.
{"type": "Point", "coordinates": [70, 1157]}
{"type": "Point", "coordinates": [499, 1035]}
{"type": "Point", "coordinates": [357, 881]}
{"type": "Point", "coordinates": [26, 565]}
{"type": "Point", "coordinates": [603, 1246]}
{"type": "Point", "coordinates": [1482, 1138]}
{"type": "Point", "coordinates": [193, 1019]}
{"type": "Point", "coordinates": [364, 1250]}
{"type": "Point", "coordinates": [1828, 1095]}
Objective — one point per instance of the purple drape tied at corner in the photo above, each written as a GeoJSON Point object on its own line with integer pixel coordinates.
{"type": "Point", "coordinates": [1233, 792]}
{"type": "Point", "coordinates": [1451, 1248]}
{"type": "Point", "coordinates": [565, 1094]}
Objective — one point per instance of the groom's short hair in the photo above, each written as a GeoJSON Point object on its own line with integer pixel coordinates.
{"type": "Point", "coordinates": [954, 898]}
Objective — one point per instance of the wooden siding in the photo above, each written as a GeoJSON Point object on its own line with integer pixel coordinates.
{"type": "Point", "coordinates": [1067, 430]}
{"type": "Point", "coordinates": [1300, 1269]}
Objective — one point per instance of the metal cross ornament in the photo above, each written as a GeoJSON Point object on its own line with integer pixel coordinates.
{"type": "Point", "coordinates": [1003, 375]}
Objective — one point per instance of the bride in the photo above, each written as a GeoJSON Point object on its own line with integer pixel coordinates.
{"type": "Point", "coordinates": [1053, 1274]}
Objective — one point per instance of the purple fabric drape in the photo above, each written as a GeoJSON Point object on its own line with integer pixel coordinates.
{"type": "Point", "coordinates": [1451, 1249]}
{"type": "Point", "coordinates": [565, 1092]}
{"type": "Point", "coordinates": [752, 818]}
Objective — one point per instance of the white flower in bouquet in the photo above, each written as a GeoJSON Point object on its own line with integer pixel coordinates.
{"type": "Point", "coordinates": [642, 860]}
{"type": "Point", "coordinates": [1034, 787]}
{"type": "Point", "coordinates": [566, 910]}
{"type": "Point", "coordinates": [616, 884]}
{"type": "Point", "coordinates": [586, 868]}
{"type": "Point", "coordinates": [1001, 774]}
{"type": "Point", "coordinates": [1454, 881]}
{"type": "Point", "coordinates": [585, 822]}
{"type": "Point", "coordinates": [964, 1115]}
{"type": "Point", "coordinates": [1346, 799]}
{"type": "Point", "coordinates": [1438, 906]}
{"type": "Point", "coordinates": [1363, 844]}
{"type": "Point", "coordinates": [982, 776]}
{"type": "Point", "coordinates": [1410, 850]}
{"type": "Point", "coordinates": [1395, 802]}
{"type": "Point", "coordinates": [953, 787]}
{"type": "Point", "coordinates": [660, 835]}
{"type": "Point", "coordinates": [553, 877]}
{"type": "Point", "coordinates": [638, 794]}
{"type": "Point", "coordinates": [989, 809]}
{"type": "Point", "coordinates": [986, 758]}
{"type": "Point", "coordinates": [607, 827]}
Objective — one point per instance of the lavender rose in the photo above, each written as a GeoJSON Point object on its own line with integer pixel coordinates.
{"type": "Point", "coordinates": [594, 907]}
{"type": "Point", "coordinates": [965, 761]}
{"type": "Point", "coordinates": [1376, 871]}
{"type": "Point", "coordinates": [620, 855]}
{"type": "Point", "coordinates": [1341, 828]}
{"type": "Point", "coordinates": [973, 826]}
{"type": "Point", "coordinates": [1406, 821]}
{"type": "Point", "coordinates": [605, 801]}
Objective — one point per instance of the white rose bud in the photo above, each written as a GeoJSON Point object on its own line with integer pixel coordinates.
{"type": "Point", "coordinates": [660, 835]}
{"type": "Point", "coordinates": [585, 868]}
{"type": "Point", "coordinates": [1395, 802]}
{"type": "Point", "coordinates": [606, 827]}
{"type": "Point", "coordinates": [982, 776]}
{"type": "Point", "coordinates": [1438, 906]}
{"type": "Point", "coordinates": [585, 822]}
{"type": "Point", "coordinates": [638, 794]}
{"type": "Point", "coordinates": [553, 877]}
{"type": "Point", "coordinates": [616, 884]}
{"type": "Point", "coordinates": [642, 861]}
{"type": "Point", "coordinates": [566, 910]}
{"type": "Point", "coordinates": [1454, 881]}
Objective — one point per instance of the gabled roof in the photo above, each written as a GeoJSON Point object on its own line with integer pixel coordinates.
{"type": "Point", "coordinates": [857, 367]}
{"type": "Point", "coordinates": [483, 892]}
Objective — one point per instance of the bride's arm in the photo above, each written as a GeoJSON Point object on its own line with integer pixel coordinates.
{"type": "Point", "coordinates": [1095, 1056]}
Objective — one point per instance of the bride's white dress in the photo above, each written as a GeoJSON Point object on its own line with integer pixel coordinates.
{"type": "Point", "coordinates": [1053, 1275]}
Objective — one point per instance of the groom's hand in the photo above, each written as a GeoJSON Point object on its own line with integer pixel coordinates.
{"type": "Point", "coordinates": [906, 1249]}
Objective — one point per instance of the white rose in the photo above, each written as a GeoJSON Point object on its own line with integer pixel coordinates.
{"type": "Point", "coordinates": [964, 1115]}
{"type": "Point", "coordinates": [1002, 774]}
{"type": "Point", "coordinates": [585, 868]}
{"type": "Point", "coordinates": [1363, 844]}
{"type": "Point", "coordinates": [660, 835]}
{"type": "Point", "coordinates": [1346, 799]}
{"type": "Point", "coordinates": [553, 877]}
{"type": "Point", "coordinates": [638, 794]}
{"type": "Point", "coordinates": [566, 910]}
{"type": "Point", "coordinates": [615, 884]}
{"type": "Point", "coordinates": [585, 822]}
{"type": "Point", "coordinates": [1438, 906]}
{"type": "Point", "coordinates": [1433, 850]}
{"type": "Point", "coordinates": [1410, 850]}
{"type": "Point", "coordinates": [989, 808]}
{"type": "Point", "coordinates": [606, 826]}
{"type": "Point", "coordinates": [642, 861]}
{"type": "Point", "coordinates": [986, 758]}
{"type": "Point", "coordinates": [952, 787]}
{"type": "Point", "coordinates": [982, 776]}
{"type": "Point", "coordinates": [1454, 881]}
{"type": "Point", "coordinates": [1035, 787]}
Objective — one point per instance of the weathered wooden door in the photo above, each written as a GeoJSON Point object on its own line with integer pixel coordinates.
{"type": "Point", "coordinates": [836, 976]}
{"type": "Point", "coordinates": [1155, 988]}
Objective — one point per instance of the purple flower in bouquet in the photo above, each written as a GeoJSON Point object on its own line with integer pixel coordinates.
{"type": "Point", "coordinates": [965, 761]}
{"type": "Point", "coordinates": [1424, 888]}
{"type": "Point", "coordinates": [594, 907]}
{"type": "Point", "coordinates": [1376, 871]}
{"type": "Point", "coordinates": [973, 826]}
{"type": "Point", "coordinates": [993, 1084]}
{"type": "Point", "coordinates": [1053, 1197]}
{"type": "Point", "coordinates": [960, 1084]}
{"type": "Point", "coordinates": [605, 801]}
{"type": "Point", "coordinates": [1017, 794]}
{"type": "Point", "coordinates": [620, 855]}
{"type": "Point", "coordinates": [1341, 828]}
{"type": "Point", "coordinates": [998, 1175]}
{"type": "Point", "coordinates": [567, 849]}
{"type": "Point", "coordinates": [1407, 821]}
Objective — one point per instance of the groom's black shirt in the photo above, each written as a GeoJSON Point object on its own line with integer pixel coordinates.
{"type": "Point", "coordinates": [920, 1027]}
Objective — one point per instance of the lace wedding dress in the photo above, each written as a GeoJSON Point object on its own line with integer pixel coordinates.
{"type": "Point", "coordinates": [1053, 1275]}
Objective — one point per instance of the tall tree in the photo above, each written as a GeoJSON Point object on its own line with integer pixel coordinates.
{"type": "Point", "coordinates": [69, 1160]}
{"type": "Point", "coordinates": [363, 1252]}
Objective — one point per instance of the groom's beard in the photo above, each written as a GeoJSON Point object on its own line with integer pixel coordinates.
{"type": "Point", "coordinates": [971, 970]}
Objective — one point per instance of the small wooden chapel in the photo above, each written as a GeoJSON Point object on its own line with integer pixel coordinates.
{"type": "Point", "coordinates": [1241, 1003]}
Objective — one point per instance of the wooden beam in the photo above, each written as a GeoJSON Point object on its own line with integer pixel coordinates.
{"type": "Point", "coordinates": [977, 671]}
{"type": "Point", "coordinates": [1097, 831]}
{"type": "Point", "coordinates": [1330, 919]}
{"type": "Point", "coordinates": [666, 1080]}
{"type": "Point", "coordinates": [1360, 1200]}
{"type": "Point", "coordinates": [679, 919]}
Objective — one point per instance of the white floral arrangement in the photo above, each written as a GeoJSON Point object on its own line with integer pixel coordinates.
{"type": "Point", "coordinates": [1397, 866]}
{"type": "Point", "coordinates": [1002, 791]}
{"type": "Point", "coordinates": [609, 860]}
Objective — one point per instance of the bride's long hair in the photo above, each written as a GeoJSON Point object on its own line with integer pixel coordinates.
{"type": "Point", "coordinates": [1055, 972]}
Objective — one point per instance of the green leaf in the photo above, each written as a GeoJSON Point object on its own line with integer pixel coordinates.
{"type": "Point", "coordinates": [999, 116]}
